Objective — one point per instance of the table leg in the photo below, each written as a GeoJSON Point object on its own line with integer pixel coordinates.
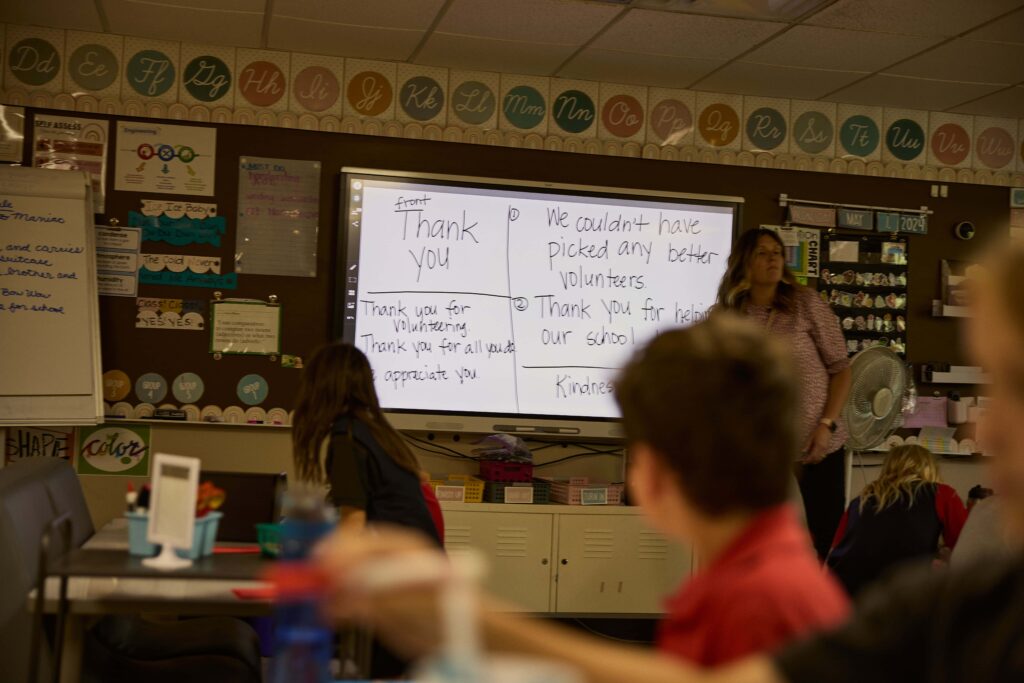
{"type": "Point", "coordinates": [62, 613]}
{"type": "Point", "coordinates": [71, 657]}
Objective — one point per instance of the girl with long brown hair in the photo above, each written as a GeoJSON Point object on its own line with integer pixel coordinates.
{"type": "Point", "coordinates": [341, 438]}
{"type": "Point", "coordinates": [758, 284]}
{"type": "Point", "coordinates": [897, 518]}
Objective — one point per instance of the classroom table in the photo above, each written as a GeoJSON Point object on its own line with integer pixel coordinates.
{"type": "Point", "coordinates": [102, 578]}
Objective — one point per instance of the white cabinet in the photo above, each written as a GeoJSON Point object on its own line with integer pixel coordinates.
{"type": "Point", "coordinates": [519, 549]}
{"type": "Point", "coordinates": [615, 565]}
{"type": "Point", "coordinates": [570, 560]}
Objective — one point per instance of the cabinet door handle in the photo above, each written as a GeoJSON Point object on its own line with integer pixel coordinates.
{"type": "Point", "coordinates": [565, 562]}
{"type": "Point", "coordinates": [544, 561]}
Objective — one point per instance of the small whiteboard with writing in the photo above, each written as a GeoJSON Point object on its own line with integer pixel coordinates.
{"type": "Point", "coordinates": [50, 346]}
{"type": "Point", "coordinates": [526, 301]}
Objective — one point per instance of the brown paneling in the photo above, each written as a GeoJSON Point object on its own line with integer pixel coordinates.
{"type": "Point", "coordinates": [308, 301]}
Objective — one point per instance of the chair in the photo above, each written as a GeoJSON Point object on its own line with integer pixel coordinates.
{"type": "Point", "coordinates": [251, 498]}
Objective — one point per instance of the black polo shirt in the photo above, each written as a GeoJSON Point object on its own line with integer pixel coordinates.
{"type": "Point", "coordinates": [964, 626]}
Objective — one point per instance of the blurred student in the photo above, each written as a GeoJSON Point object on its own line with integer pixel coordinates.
{"type": "Point", "coordinates": [896, 519]}
{"type": "Point", "coordinates": [720, 485]}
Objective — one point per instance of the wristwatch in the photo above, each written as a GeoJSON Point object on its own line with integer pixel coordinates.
{"type": "Point", "coordinates": [831, 424]}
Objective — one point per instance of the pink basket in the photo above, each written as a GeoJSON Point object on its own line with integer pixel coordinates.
{"type": "Point", "coordinates": [497, 470]}
{"type": "Point", "coordinates": [582, 491]}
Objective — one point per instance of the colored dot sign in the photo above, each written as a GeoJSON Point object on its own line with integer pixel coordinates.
{"type": "Point", "coordinates": [207, 78]}
{"type": "Point", "coordinates": [422, 98]}
{"type": "Point", "coordinates": [369, 93]}
{"type": "Point", "coordinates": [718, 124]}
{"type": "Point", "coordinates": [812, 132]}
{"type": "Point", "coordinates": [261, 83]}
{"type": "Point", "coordinates": [34, 61]}
{"type": "Point", "coordinates": [671, 120]}
{"type": "Point", "coordinates": [573, 111]}
{"type": "Point", "coordinates": [93, 67]}
{"type": "Point", "coordinates": [524, 107]}
{"type": "Point", "coordinates": [151, 387]}
{"type": "Point", "coordinates": [950, 144]}
{"type": "Point", "coordinates": [905, 139]}
{"type": "Point", "coordinates": [622, 116]}
{"type": "Point", "coordinates": [995, 147]}
{"type": "Point", "coordinates": [316, 88]}
{"type": "Point", "coordinates": [473, 103]}
{"type": "Point", "coordinates": [116, 385]}
{"type": "Point", "coordinates": [766, 128]}
{"type": "Point", "coordinates": [150, 73]}
{"type": "Point", "coordinates": [252, 390]}
{"type": "Point", "coordinates": [859, 135]}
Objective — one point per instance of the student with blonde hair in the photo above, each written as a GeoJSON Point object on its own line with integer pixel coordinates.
{"type": "Point", "coordinates": [896, 519]}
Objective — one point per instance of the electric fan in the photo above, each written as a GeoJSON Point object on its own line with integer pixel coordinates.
{"type": "Point", "coordinates": [881, 390]}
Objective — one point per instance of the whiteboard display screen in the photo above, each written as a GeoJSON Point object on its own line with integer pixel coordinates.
{"type": "Point", "coordinates": [471, 297]}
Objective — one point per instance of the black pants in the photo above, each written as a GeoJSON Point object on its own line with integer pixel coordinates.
{"type": "Point", "coordinates": [823, 487]}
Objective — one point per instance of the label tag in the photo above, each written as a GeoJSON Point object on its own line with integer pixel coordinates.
{"type": "Point", "coordinates": [519, 494]}
{"type": "Point", "coordinates": [593, 496]}
{"type": "Point", "coordinates": [451, 494]}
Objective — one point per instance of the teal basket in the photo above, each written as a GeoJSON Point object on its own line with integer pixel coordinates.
{"type": "Point", "coordinates": [203, 538]}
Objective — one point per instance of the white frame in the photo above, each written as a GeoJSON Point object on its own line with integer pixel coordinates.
{"type": "Point", "coordinates": [192, 465]}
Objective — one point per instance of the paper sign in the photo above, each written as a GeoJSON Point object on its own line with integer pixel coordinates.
{"type": "Point", "coordinates": [887, 221]}
{"type": "Point", "coordinates": [821, 216]}
{"type": "Point", "coordinates": [245, 328]}
{"type": "Point", "coordinates": [173, 209]}
{"type": "Point", "coordinates": [114, 450]}
{"type": "Point", "coordinates": [854, 219]}
{"type": "Point", "coordinates": [450, 494]}
{"type": "Point", "coordinates": [938, 439]}
{"type": "Point", "coordinates": [189, 279]}
{"type": "Point", "coordinates": [519, 494]}
{"type": "Point", "coordinates": [843, 251]}
{"type": "Point", "coordinates": [12, 133]}
{"type": "Point", "coordinates": [930, 411]}
{"type": "Point", "coordinates": [73, 144]}
{"type": "Point", "coordinates": [117, 239]}
{"type": "Point", "coordinates": [914, 223]}
{"type": "Point", "coordinates": [116, 262]}
{"type": "Point", "coordinates": [179, 231]}
{"type": "Point", "coordinates": [594, 496]}
{"type": "Point", "coordinates": [1017, 197]}
{"type": "Point", "coordinates": [803, 248]}
{"type": "Point", "coordinates": [117, 285]}
{"type": "Point", "coordinates": [165, 158]}
{"type": "Point", "coordinates": [149, 318]}
{"type": "Point", "coordinates": [179, 263]}
{"type": "Point", "coordinates": [181, 306]}
{"type": "Point", "coordinates": [278, 215]}
{"type": "Point", "coordinates": [32, 442]}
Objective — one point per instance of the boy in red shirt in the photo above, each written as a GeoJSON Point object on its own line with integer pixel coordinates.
{"type": "Point", "coordinates": [709, 413]}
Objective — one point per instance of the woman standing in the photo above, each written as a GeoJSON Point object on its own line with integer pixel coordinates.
{"type": "Point", "coordinates": [758, 284]}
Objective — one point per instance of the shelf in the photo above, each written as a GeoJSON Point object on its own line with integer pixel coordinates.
{"type": "Point", "coordinates": [846, 288]}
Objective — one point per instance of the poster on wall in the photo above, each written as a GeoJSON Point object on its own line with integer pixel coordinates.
{"type": "Point", "coordinates": [245, 327]}
{"type": "Point", "coordinates": [278, 213]}
{"type": "Point", "coordinates": [803, 248]}
{"type": "Point", "coordinates": [109, 449]}
{"type": "Point", "coordinates": [117, 260]}
{"type": "Point", "coordinates": [159, 157]}
{"type": "Point", "coordinates": [72, 144]}
{"type": "Point", "coordinates": [38, 442]}
{"type": "Point", "coordinates": [12, 133]}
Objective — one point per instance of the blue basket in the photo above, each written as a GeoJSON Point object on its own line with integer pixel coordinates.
{"type": "Point", "coordinates": [203, 537]}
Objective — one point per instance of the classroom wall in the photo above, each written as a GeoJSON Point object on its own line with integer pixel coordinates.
{"type": "Point", "coordinates": [308, 302]}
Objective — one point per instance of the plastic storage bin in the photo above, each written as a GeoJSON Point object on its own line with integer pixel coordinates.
{"type": "Point", "coordinates": [494, 491]}
{"type": "Point", "coordinates": [582, 491]}
{"type": "Point", "coordinates": [203, 538]}
{"type": "Point", "coordinates": [474, 487]}
{"type": "Point", "coordinates": [498, 470]}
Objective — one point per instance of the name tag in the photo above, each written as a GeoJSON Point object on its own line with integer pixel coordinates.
{"type": "Point", "coordinates": [519, 494]}
{"type": "Point", "coordinates": [451, 494]}
{"type": "Point", "coordinates": [593, 496]}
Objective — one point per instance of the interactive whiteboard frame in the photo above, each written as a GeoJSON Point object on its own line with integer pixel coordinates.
{"type": "Point", "coordinates": [549, 427]}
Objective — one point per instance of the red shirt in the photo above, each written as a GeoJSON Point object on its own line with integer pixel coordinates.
{"type": "Point", "coordinates": [765, 589]}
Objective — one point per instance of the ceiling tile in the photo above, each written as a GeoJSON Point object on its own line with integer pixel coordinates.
{"type": "Point", "coordinates": [776, 81]}
{"type": "Point", "coordinates": [321, 37]}
{"type": "Point", "coordinates": [408, 14]}
{"type": "Point", "coordinates": [231, 5]}
{"type": "Point", "coordinates": [190, 24]}
{"type": "Point", "coordinates": [818, 47]}
{"type": "Point", "coordinates": [685, 35]}
{"type": "Point", "coordinates": [630, 67]}
{"type": "Point", "coordinates": [56, 13]}
{"type": "Point", "coordinates": [566, 22]}
{"type": "Point", "coordinates": [913, 93]}
{"type": "Point", "coordinates": [913, 17]}
{"type": "Point", "coordinates": [1009, 29]}
{"type": "Point", "coordinates": [1008, 103]}
{"type": "Point", "coordinates": [972, 61]}
{"type": "Point", "coordinates": [507, 56]}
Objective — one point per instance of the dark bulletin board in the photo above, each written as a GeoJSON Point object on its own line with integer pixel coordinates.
{"type": "Point", "coordinates": [308, 302]}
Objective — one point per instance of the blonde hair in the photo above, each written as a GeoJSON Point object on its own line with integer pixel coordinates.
{"type": "Point", "coordinates": [905, 470]}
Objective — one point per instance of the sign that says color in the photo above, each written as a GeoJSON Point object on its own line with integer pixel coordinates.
{"type": "Point", "coordinates": [207, 78]}
{"type": "Point", "coordinates": [951, 144]}
{"type": "Point", "coordinates": [114, 449]}
{"type": "Point", "coordinates": [93, 67]}
{"type": "Point", "coordinates": [718, 125]}
{"type": "Point", "coordinates": [316, 88]}
{"type": "Point", "coordinates": [671, 121]}
{"type": "Point", "coordinates": [422, 98]}
{"type": "Point", "coordinates": [524, 107]}
{"type": "Point", "coordinates": [473, 103]}
{"type": "Point", "coordinates": [261, 83]}
{"type": "Point", "coordinates": [369, 93]}
{"type": "Point", "coordinates": [813, 132]}
{"type": "Point", "coordinates": [573, 111]}
{"type": "Point", "coordinates": [905, 139]}
{"type": "Point", "coordinates": [150, 73]}
{"type": "Point", "coordinates": [622, 115]}
{"type": "Point", "coordinates": [34, 61]}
